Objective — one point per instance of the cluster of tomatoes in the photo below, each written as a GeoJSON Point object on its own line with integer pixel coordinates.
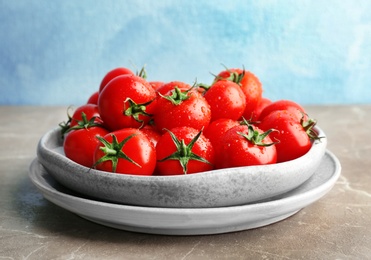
{"type": "Point", "coordinates": [135, 126]}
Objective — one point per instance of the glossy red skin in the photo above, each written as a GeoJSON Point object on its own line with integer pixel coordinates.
{"type": "Point", "coordinates": [194, 112]}
{"type": "Point", "coordinates": [138, 148]}
{"type": "Point", "coordinates": [217, 128]}
{"type": "Point", "coordinates": [93, 99]}
{"type": "Point", "coordinates": [226, 100]}
{"type": "Point", "coordinates": [251, 87]}
{"type": "Point", "coordinates": [293, 140]}
{"type": "Point", "coordinates": [282, 105]}
{"type": "Point", "coordinates": [90, 110]}
{"type": "Point", "coordinates": [215, 131]}
{"type": "Point", "coordinates": [79, 145]}
{"type": "Point", "coordinates": [264, 102]}
{"type": "Point", "coordinates": [152, 134]}
{"type": "Point", "coordinates": [238, 151]}
{"type": "Point", "coordinates": [156, 84]}
{"type": "Point", "coordinates": [165, 88]}
{"type": "Point", "coordinates": [166, 147]}
{"type": "Point", "coordinates": [113, 74]}
{"type": "Point", "coordinates": [112, 101]}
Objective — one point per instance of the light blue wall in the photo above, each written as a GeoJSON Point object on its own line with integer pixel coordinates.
{"type": "Point", "coordinates": [313, 52]}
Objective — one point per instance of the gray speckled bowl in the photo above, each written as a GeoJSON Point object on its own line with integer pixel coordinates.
{"type": "Point", "coordinates": [218, 188]}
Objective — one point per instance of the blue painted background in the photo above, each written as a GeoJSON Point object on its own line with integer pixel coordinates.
{"type": "Point", "coordinates": [313, 52]}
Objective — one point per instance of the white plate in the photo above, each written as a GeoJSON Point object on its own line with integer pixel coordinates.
{"type": "Point", "coordinates": [190, 221]}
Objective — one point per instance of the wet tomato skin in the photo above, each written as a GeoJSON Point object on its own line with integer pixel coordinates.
{"type": "Point", "coordinates": [193, 112]}
{"type": "Point", "coordinates": [237, 151]}
{"type": "Point", "coordinates": [166, 147]}
{"type": "Point", "coordinates": [226, 100]}
{"type": "Point", "coordinates": [293, 141]}
{"type": "Point", "coordinates": [113, 74]}
{"type": "Point", "coordinates": [138, 148]}
{"type": "Point", "coordinates": [115, 101]}
{"type": "Point", "coordinates": [79, 145]}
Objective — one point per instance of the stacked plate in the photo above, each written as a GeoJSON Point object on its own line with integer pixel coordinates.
{"type": "Point", "coordinates": [211, 202]}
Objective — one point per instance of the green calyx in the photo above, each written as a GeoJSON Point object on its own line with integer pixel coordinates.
{"type": "Point", "coordinates": [65, 125]}
{"type": "Point", "coordinates": [203, 86]}
{"type": "Point", "coordinates": [177, 96]}
{"type": "Point", "coordinates": [255, 137]}
{"type": "Point", "coordinates": [247, 122]}
{"type": "Point", "coordinates": [308, 126]}
{"type": "Point", "coordinates": [236, 77]}
{"type": "Point", "coordinates": [84, 123]}
{"type": "Point", "coordinates": [142, 73]}
{"type": "Point", "coordinates": [233, 76]}
{"type": "Point", "coordinates": [184, 152]}
{"type": "Point", "coordinates": [113, 151]}
{"type": "Point", "coordinates": [135, 110]}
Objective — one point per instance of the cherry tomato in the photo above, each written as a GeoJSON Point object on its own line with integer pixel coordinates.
{"type": "Point", "coordinates": [282, 105]}
{"type": "Point", "coordinates": [170, 86]}
{"type": "Point", "coordinates": [156, 84]}
{"type": "Point", "coordinates": [247, 145]}
{"type": "Point", "coordinates": [93, 99]}
{"type": "Point", "coordinates": [182, 108]}
{"type": "Point", "coordinates": [113, 74]}
{"type": "Point", "coordinates": [184, 150]}
{"type": "Point", "coordinates": [264, 102]}
{"type": "Point", "coordinates": [125, 151]}
{"type": "Point", "coordinates": [90, 111]}
{"type": "Point", "coordinates": [250, 84]}
{"type": "Point", "coordinates": [215, 131]}
{"type": "Point", "coordinates": [226, 100]}
{"type": "Point", "coordinates": [79, 145]}
{"type": "Point", "coordinates": [127, 101]}
{"type": "Point", "coordinates": [294, 135]}
{"type": "Point", "coordinates": [152, 134]}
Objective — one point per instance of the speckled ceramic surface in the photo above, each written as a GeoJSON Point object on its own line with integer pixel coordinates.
{"type": "Point", "coordinates": [225, 187]}
{"type": "Point", "coordinates": [196, 221]}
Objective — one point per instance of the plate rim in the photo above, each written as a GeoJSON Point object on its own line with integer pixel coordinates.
{"type": "Point", "coordinates": [314, 193]}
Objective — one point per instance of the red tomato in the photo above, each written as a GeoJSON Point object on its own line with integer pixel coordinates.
{"type": "Point", "coordinates": [113, 74]}
{"type": "Point", "coordinates": [247, 145]}
{"type": "Point", "coordinates": [152, 134]}
{"type": "Point", "coordinates": [292, 134]}
{"type": "Point", "coordinates": [182, 108]}
{"type": "Point", "coordinates": [126, 151]}
{"type": "Point", "coordinates": [156, 84]}
{"type": "Point", "coordinates": [226, 100]}
{"type": "Point", "coordinates": [184, 150]}
{"type": "Point", "coordinates": [282, 105]}
{"type": "Point", "coordinates": [264, 102]}
{"type": "Point", "coordinates": [167, 87]}
{"type": "Point", "coordinates": [250, 84]}
{"type": "Point", "coordinates": [215, 131]}
{"type": "Point", "coordinates": [217, 128]}
{"type": "Point", "coordinates": [79, 145]}
{"type": "Point", "coordinates": [126, 101]}
{"type": "Point", "coordinates": [90, 111]}
{"type": "Point", "coordinates": [93, 99]}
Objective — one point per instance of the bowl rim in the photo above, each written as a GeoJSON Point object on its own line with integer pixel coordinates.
{"type": "Point", "coordinates": [224, 187]}
{"type": "Point", "coordinates": [43, 147]}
